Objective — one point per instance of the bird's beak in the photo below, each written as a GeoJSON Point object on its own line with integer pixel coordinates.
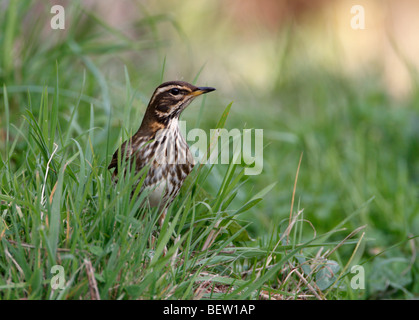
{"type": "Point", "coordinates": [201, 90]}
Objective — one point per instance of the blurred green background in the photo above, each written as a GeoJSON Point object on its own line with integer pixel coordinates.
{"type": "Point", "coordinates": [347, 99]}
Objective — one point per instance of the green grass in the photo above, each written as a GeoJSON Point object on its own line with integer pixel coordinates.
{"type": "Point", "coordinates": [292, 232]}
{"type": "Point", "coordinates": [70, 214]}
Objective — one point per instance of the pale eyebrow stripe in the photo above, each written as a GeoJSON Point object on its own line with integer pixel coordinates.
{"type": "Point", "coordinates": [167, 88]}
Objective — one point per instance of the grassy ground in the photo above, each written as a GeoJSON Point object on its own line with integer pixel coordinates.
{"type": "Point", "coordinates": [68, 99]}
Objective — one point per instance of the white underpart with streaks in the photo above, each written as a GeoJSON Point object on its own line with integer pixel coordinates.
{"type": "Point", "coordinates": [172, 155]}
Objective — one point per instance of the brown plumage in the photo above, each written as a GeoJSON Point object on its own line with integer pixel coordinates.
{"type": "Point", "coordinates": [159, 144]}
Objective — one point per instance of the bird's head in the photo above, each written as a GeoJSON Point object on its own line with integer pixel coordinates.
{"type": "Point", "coordinates": [168, 101]}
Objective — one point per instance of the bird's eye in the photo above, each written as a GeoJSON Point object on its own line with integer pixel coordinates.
{"type": "Point", "coordinates": [175, 91]}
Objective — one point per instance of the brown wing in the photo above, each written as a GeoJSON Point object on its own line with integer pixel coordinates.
{"type": "Point", "coordinates": [126, 150]}
{"type": "Point", "coordinates": [114, 161]}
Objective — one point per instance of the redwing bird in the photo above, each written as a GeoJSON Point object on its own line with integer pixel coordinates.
{"type": "Point", "coordinates": [159, 144]}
